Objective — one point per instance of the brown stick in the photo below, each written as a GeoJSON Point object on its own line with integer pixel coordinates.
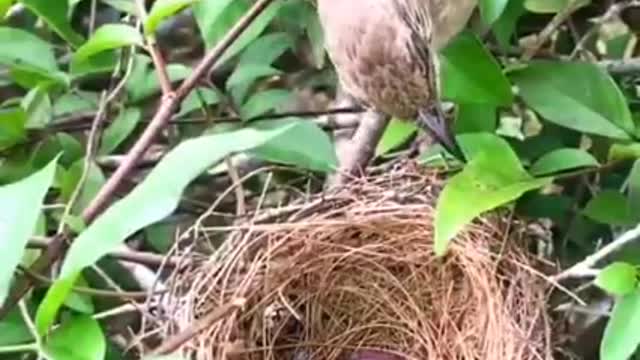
{"type": "Point", "coordinates": [139, 257]}
{"type": "Point", "coordinates": [156, 55]}
{"type": "Point", "coordinates": [167, 108]}
{"type": "Point", "coordinates": [174, 342]}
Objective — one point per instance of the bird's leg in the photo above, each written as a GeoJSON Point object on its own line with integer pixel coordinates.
{"type": "Point", "coordinates": [432, 120]}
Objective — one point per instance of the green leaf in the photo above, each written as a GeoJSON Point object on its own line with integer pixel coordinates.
{"type": "Point", "coordinates": [619, 152]}
{"type": "Point", "coordinates": [55, 14]}
{"type": "Point", "coordinates": [493, 177]}
{"type": "Point", "coordinates": [216, 17]}
{"type": "Point", "coordinates": [492, 9]}
{"type": "Point", "coordinates": [622, 334]}
{"type": "Point", "coordinates": [79, 302]}
{"type": "Point", "coordinates": [94, 180]}
{"type": "Point", "coordinates": [53, 300]}
{"type": "Point", "coordinates": [38, 108]}
{"type": "Point", "coordinates": [618, 278]}
{"type": "Point", "coordinates": [505, 26]}
{"type": "Point", "coordinates": [264, 101]}
{"type": "Point", "coordinates": [561, 160]}
{"type": "Point", "coordinates": [294, 149]}
{"type": "Point", "coordinates": [161, 10]}
{"type": "Point", "coordinates": [21, 206]}
{"type": "Point", "coordinates": [12, 127]}
{"type": "Point", "coordinates": [470, 74]}
{"type": "Point", "coordinates": [125, 6]}
{"type": "Point", "coordinates": [396, 133]}
{"type": "Point", "coordinates": [18, 47]}
{"type": "Point", "coordinates": [79, 338]}
{"type": "Point", "coordinates": [158, 195]}
{"type": "Point", "coordinates": [5, 5]}
{"type": "Point", "coordinates": [98, 64]}
{"type": "Point", "coordinates": [53, 145]}
{"type": "Point", "coordinates": [475, 118]}
{"type": "Point", "coordinates": [119, 130]}
{"type": "Point", "coordinates": [266, 49]}
{"type": "Point", "coordinates": [75, 102]}
{"type": "Point", "coordinates": [541, 206]}
{"type": "Point", "coordinates": [546, 6]}
{"type": "Point", "coordinates": [609, 207]}
{"type": "Point", "coordinates": [250, 72]}
{"type": "Point", "coordinates": [578, 96]}
{"type": "Point", "coordinates": [108, 37]}
{"type": "Point", "coordinates": [210, 16]}
{"type": "Point", "coordinates": [633, 193]}
{"type": "Point", "coordinates": [29, 77]}
{"type": "Point", "coordinates": [197, 99]}
{"type": "Point", "coordinates": [144, 82]}
{"type": "Point", "coordinates": [13, 329]}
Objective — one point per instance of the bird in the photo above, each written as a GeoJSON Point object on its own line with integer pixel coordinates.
{"type": "Point", "coordinates": [385, 53]}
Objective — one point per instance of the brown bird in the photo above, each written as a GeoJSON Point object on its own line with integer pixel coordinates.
{"type": "Point", "coordinates": [384, 52]}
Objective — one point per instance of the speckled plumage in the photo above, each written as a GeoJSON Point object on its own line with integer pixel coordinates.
{"type": "Point", "coordinates": [376, 54]}
{"type": "Point", "coordinates": [384, 50]}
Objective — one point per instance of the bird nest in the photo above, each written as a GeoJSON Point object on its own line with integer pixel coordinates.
{"type": "Point", "coordinates": [352, 275]}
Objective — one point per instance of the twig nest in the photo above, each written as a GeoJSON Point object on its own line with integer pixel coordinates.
{"type": "Point", "coordinates": [352, 275]}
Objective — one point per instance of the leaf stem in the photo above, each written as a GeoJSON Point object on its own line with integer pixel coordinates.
{"type": "Point", "coordinates": [7, 349]}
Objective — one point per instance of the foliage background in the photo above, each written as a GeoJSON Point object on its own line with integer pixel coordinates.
{"type": "Point", "coordinates": [546, 95]}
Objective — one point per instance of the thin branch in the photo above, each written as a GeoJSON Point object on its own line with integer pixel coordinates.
{"type": "Point", "coordinates": [167, 108]}
{"type": "Point", "coordinates": [92, 140]}
{"type": "Point", "coordinates": [78, 122]}
{"type": "Point", "coordinates": [161, 68]}
{"type": "Point", "coordinates": [622, 67]}
{"type": "Point", "coordinates": [124, 295]}
{"type": "Point", "coordinates": [551, 27]}
{"type": "Point", "coordinates": [174, 342]}
{"type": "Point", "coordinates": [139, 257]}
{"type": "Point", "coordinates": [156, 56]}
{"type": "Point", "coordinates": [241, 207]}
{"type": "Point", "coordinates": [585, 267]}
{"type": "Point", "coordinates": [26, 317]}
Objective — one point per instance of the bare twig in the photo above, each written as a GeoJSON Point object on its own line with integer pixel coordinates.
{"type": "Point", "coordinates": [241, 208]}
{"type": "Point", "coordinates": [26, 317]}
{"type": "Point", "coordinates": [585, 267]}
{"type": "Point", "coordinates": [139, 257]}
{"type": "Point", "coordinates": [92, 140]}
{"type": "Point", "coordinates": [613, 12]}
{"type": "Point", "coordinates": [173, 343]}
{"type": "Point", "coordinates": [551, 27]}
{"type": "Point", "coordinates": [622, 67]}
{"type": "Point", "coordinates": [156, 55]}
{"type": "Point", "coordinates": [77, 122]}
{"type": "Point", "coordinates": [124, 295]}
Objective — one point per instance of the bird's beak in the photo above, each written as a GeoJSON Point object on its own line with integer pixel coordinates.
{"type": "Point", "coordinates": [434, 122]}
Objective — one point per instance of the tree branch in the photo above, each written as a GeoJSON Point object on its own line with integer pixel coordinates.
{"type": "Point", "coordinates": [585, 267]}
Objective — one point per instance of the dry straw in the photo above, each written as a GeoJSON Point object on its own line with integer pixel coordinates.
{"type": "Point", "coordinates": [352, 275]}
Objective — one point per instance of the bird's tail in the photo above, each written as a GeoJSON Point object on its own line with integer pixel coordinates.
{"type": "Point", "coordinates": [434, 122]}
